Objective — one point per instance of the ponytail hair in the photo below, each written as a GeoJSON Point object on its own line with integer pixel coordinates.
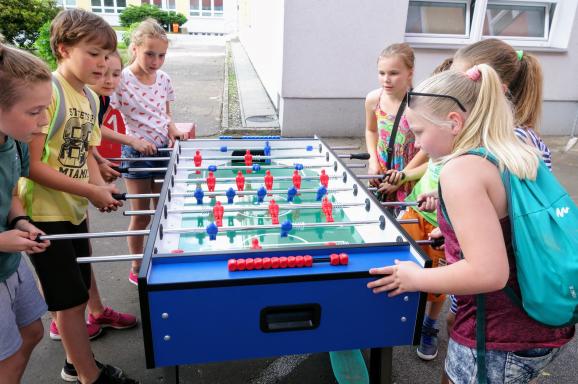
{"type": "Point", "coordinates": [19, 70]}
{"type": "Point", "coordinates": [522, 75]}
{"type": "Point", "coordinates": [147, 28]}
{"type": "Point", "coordinates": [489, 122]}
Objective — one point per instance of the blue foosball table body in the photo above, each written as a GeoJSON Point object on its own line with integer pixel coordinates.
{"type": "Point", "coordinates": [194, 310]}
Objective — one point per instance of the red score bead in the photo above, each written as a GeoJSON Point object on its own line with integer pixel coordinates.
{"type": "Point", "coordinates": [343, 259]}
{"type": "Point", "coordinates": [282, 262]}
{"type": "Point", "coordinates": [274, 262]}
{"type": "Point", "coordinates": [307, 261]}
{"type": "Point", "coordinates": [249, 264]}
{"type": "Point", "coordinates": [177, 251]}
{"type": "Point", "coordinates": [258, 263]}
{"type": "Point", "coordinates": [299, 262]}
{"type": "Point", "coordinates": [334, 259]}
{"type": "Point", "coordinates": [232, 265]}
{"type": "Point", "coordinates": [291, 261]}
{"type": "Point", "coordinates": [266, 263]}
{"type": "Point", "coordinates": [240, 264]}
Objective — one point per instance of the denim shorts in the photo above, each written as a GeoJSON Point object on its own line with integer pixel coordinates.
{"type": "Point", "coordinates": [502, 367]}
{"type": "Point", "coordinates": [130, 152]}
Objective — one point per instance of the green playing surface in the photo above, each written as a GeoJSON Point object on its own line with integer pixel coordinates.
{"type": "Point", "coordinates": [243, 239]}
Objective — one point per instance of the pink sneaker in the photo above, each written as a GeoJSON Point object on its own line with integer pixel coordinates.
{"type": "Point", "coordinates": [133, 278]}
{"type": "Point", "coordinates": [94, 330]}
{"type": "Point", "coordinates": [113, 319]}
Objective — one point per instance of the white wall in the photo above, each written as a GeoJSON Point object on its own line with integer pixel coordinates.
{"type": "Point", "coordinates": [261, 24]}
{"type": "Point", "coordinates": [320, 57]}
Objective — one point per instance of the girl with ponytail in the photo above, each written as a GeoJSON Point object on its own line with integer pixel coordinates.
{"type": "Point", "coordinates": [450, 114]}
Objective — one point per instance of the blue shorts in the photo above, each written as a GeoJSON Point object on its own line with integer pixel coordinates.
{"type": "Point", "coordinates": [20, 305]}
{"type": "Point", "coordinates": [130, 152]}
{"type": "Point", "coordinates": [502, 367]}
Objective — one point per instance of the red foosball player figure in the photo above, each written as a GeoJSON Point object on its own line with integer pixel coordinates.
{"type": "Point", "coordinates": [255, 243]}
{"type": "Point", "coordinates": [296, 179]}
{"type": "Point", "coordinates": [198, 159]}
{"type": "Point", "coordinates": [240, 179]}
{"type": "Point", "coordinates": [327, 208]}
{"type": "Point", "coordinates": [324, 178]}
{"type": "Point", "coordinates": [274, 212]}
{"type": "Point", "coordinates": [248, 160]}
{"type": "Point", "coordinates": [211, 182]}
{"type": "Point", "coordinates": [268, 180]}
{"type": "Point", "coordinates": [218, 213]}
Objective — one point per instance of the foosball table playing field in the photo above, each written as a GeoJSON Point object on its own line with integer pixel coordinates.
{"type": "Point", "coordinates": [261, 247]}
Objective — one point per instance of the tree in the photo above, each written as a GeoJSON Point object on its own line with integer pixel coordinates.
{"type": "Point", "coordinates": [21, 20]}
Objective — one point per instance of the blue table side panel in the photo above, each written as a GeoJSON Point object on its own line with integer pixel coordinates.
{"type": "Point", "coordinates": [223, 323]}
{"type": "Point", "coordinates": [182, 269]}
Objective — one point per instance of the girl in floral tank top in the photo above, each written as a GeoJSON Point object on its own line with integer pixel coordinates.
{"type": "Point", "coordinates": [395, 71]}
{"type": "Point", "coordinates": [451, 113]}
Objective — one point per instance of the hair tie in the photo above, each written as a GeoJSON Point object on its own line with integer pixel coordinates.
{"type": "Point", "coordinates": [474, 73]}
{"type": "Point", "coordinates": [520, 54]}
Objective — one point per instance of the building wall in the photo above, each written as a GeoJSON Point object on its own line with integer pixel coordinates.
{"type": "Point", "coordinates": [329, 52]}
{"type": "Point", "coordinates": [261, 29]}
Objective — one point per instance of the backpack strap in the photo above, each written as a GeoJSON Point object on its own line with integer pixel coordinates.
{"type": "Point", "coordinates": [19, 149]}
{"type": "Point", "coordinates": [394, 129]}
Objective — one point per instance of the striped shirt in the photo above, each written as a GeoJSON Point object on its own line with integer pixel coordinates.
{"type": "Point", "coordinates": [528, 135]}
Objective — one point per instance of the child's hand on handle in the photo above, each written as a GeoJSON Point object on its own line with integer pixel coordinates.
{"type": "Point", "coordinates": [176, 134]}
{"type": "Point", "coordinates": [392, 180]}
{"type": "Point", "coordinates": [428, 201]}
{"type": "Point", "coordinates": [399, 278]}
{"type": "Point", "coordinates": [33, 233]}
{"type": "Point", "coordinates": [108, 173]}
{"type": "Point", "coordinates": [101, 198]}
{"type": "Point", "coordinates": [17, 240]}
{"type": "Point", "coordinates": [143, 146]}
{"type": "Point", "coordinates": [374, 169]}
{"type": "Point", "coordinates": [436, 234]}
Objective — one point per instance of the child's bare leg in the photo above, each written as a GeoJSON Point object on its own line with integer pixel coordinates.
{"type": "Point", "coordinates": [12, 368]}
{"type": "Point", "coordinates": [95, 306]}
{"type": "Point", "coordinates": [72, 328]}
{"type": "Point", "coordinates": [136, 243]}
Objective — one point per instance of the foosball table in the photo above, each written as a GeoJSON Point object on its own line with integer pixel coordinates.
{"type": "Point", "coordinates": [261, 247]}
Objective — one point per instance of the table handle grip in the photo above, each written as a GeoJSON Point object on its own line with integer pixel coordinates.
{"type": "Point", "coordinates": [290, 318]}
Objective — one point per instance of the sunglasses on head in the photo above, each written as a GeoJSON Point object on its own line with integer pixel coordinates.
{"type": "Point", "coordinates": [410, 94]}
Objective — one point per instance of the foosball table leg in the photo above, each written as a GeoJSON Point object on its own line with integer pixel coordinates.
{"type": "Point", "coordinates": [380, 365]}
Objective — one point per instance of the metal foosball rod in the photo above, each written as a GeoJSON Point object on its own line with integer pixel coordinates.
{"type": "Point", "coordinates": [255, 167]}
{"type": "Point", "coordinates": [252, 208]}
{"type": "Point", "coordinates": [352, 156]}
{"type": "Point", "coordinates": [247, 179]}
{"type": "Point", "coordinates": [226, 148]}
{"type": "Point", "coordinates": [285, 227]}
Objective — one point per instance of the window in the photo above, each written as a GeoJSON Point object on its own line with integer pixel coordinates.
{"type": "Point", "coordinates": [108, 6]}
{"type": "Point", "coordinates": [164, 4]}
{"type": "Point", "coordinates": [453, 23]}
{"type": "Point", "coordinates": [66, 4]}
{"type": "Point", "coordinates": [511, 20]}
{"type": "Point", "coordinates": [438, 18]}
{"type": "Point", "coordinates": [207, 8]}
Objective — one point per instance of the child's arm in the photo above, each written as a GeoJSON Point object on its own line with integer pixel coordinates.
{"type": "Point", "coordinates": [371, 135]}
{"type": "Point", "coordinates": [95, 178]}
{"type": "Point", "coordinates": [174, 133]}
{"type": "Point", "coordinates": [467, 183]}
{"type": "Point", "coordinates": [22, 237]}
{"type": "Point", "coordinates": [105, 167]}
{"type": "Point", "coordinates": [141, 146]}
{"type": "Point", "coordinates": [99, 196]}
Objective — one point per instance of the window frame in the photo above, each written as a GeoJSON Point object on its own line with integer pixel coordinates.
{"type": "Point", "coordinates": [445, 35]}
{"type": "Point", "coordinates": [201, 13]}
{"type": "Point", "coordinates": [66, 6]}
{"type": "Point", "coordinates": [116, 10]}
{"type": "Point", "coordinates": [558, 25]}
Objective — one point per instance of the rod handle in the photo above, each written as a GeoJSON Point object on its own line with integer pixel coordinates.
{"type": "Point", "coordinates": [360, 156]}
{"type": "Point", "coordinates": [119, 196]}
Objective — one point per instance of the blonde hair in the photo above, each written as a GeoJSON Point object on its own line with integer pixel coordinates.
{"type": "Point", "coordinates": [147, 28]}
{"type": "Point", "coordinates": [18, 70]}
{"type": "Point", "coordinates": [521, 73]}
{"type": "Point", "coordinates": [489, 121]}
{"type": "Point", "coordinates": [73, 26]}
{"type": "Point", "coordinates": [403, 50]}
{"type": "Point", "coordinates": [116, 54]}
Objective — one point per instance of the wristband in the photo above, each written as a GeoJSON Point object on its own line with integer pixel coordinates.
{"type": "Point", "coordinates": [15, 220]}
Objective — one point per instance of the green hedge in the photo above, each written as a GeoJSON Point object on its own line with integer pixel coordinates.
{"type": "Point", "coordinates": [135, 14]}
